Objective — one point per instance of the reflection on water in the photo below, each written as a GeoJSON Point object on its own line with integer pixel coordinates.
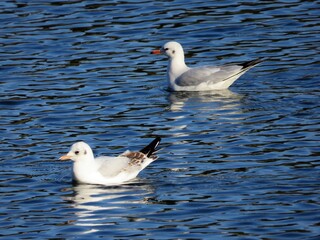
{"type": "Point", "coordinates": [223, 99]}
{"type": "Point", "coordinates": [85, 195]}
{"type": "Point", "coordinates": [241, 163]}
{"type": "Point", "coordinates": [97, 207]}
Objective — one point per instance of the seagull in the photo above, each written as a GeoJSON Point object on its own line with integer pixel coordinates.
{"type": "Point", "coordinates": [183, 78]}
{"type": "Point", "coordinates": [109, 170]}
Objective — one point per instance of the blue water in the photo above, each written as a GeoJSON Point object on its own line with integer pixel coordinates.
{"type": "Point", "coordinates": [236, 164]}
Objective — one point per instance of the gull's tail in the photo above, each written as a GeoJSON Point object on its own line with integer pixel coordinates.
{"type": "Point", "coordinates": [151, 148]}
{"type": "Point", "coordinates": [249, 64]}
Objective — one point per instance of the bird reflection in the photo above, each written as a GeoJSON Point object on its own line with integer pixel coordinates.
{"type": "Point", "coordinates": [94, 204]}
{"type": "Point", "coordinates": [222, 98]}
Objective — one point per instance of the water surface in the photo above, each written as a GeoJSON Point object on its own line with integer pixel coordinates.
{"type": "Point", "coordinates": [236, 164]}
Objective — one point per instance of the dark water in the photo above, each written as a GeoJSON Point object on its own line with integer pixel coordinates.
{"type": "Point", "coordinates": [236, 164]}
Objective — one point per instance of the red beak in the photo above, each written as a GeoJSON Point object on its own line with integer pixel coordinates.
{"type": "Point", "coordinates": [157, 51]}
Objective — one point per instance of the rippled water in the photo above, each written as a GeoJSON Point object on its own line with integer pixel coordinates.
{"type": "Point", "coordinates": [235, 164]}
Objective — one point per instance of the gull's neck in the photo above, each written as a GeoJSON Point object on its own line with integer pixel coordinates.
{"type": "Point", "coordinates": [84, 169]}
{"type": "Point", "coordinates": [176, 67]}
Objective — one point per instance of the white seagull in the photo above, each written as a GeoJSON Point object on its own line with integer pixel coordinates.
{"type": "Point", "coordinates": [182, 78]}
{"type": "Point", "coordinates": [109, 170]}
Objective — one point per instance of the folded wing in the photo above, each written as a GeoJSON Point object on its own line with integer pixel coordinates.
{"type": "Point", "coordinates": [207, 74]}
{"type": "Point", "coordinates": [128, 161]}
{"type": "Point", "coordinates": [214, 74]}
{"type": "Point", "coordinates": [111, 167]}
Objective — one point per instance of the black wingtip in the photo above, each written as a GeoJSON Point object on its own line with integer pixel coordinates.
{"type": "Point", "coordinates": [250, 64]}
{"type": "Point", "coordinates": [151, 148]}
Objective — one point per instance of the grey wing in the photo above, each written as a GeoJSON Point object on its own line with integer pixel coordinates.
{"type": "Point", "coordinates": [208, 74]}
{"type": "Point", "coordinates": [111, 167]}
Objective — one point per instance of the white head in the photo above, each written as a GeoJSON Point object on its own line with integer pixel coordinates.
{"type": "Point", "coordinates": [79, 151]}
{"type": "Point", "coordinates": [176, 64]}
{"type": "Point", "coordinates": [173, 50]}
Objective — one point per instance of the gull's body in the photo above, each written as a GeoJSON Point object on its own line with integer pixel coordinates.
{"type": "Point", "coordinates": [109, 170]}
{"type": "Point", "coordinates": [183, 78]}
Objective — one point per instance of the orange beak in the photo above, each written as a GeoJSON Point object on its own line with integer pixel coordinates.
{"type": "Point", "coordinates": [157, 51]}
{"type": "Point", "coordinates": [65, 157]}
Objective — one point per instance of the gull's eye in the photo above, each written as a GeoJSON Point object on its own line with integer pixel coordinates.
{"type": "Point", "coordinates": [76, 152]}
{"type": "Point", "coordinates": [166, 49]}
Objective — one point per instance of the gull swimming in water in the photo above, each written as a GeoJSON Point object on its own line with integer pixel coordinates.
{"type": "Point", "coordinates": [183, 78]}
{"type": "Point", "coordinates": [109, 170]}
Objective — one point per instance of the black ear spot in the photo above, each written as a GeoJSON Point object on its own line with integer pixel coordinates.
{"type": "Point", "coordinates": [85, 152]}
{"type": "Point", "coordinates": [173, 52]}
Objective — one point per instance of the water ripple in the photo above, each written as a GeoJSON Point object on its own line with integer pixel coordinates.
{"type": "Point", "coordinates": [241, 163]}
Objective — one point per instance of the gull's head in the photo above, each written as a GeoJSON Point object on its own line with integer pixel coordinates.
{"type": "Point", "coordinates": [79, 151]}
{"type": "Point", "coordinates": [171, 49]}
